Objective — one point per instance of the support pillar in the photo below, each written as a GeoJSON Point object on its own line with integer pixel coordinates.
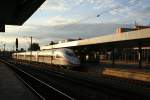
{"type": "Point", "coordinates": [113, 56]}
{"type": "Point", "coordinates": [2, 27]}
{"type": "Point", "coordinates": [140, 56]}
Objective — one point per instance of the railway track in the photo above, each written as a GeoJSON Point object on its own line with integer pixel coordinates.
{"type": "Point", "coordinates": [43, 90]}
{"type": "Point", "coordinates": [133, 83]}
{"type": "Point", "coordinates": [76, 87]}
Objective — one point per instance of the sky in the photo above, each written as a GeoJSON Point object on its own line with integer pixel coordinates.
{"type": "Point", "coordinates": [61, 19]}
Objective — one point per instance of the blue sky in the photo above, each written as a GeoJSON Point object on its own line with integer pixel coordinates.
{"type": "Point", "coordinates": [61, 19]}
{"type": "Point", "coordinates": [110, 10]}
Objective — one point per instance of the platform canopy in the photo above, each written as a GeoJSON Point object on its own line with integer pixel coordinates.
{"type": "Point", "coordinates": [126, 39]}
{"type": "Point", "coordinates": [16, 12]}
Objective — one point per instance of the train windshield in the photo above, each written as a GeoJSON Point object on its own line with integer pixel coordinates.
{"type": "Point", "coordinates": [71, 54]}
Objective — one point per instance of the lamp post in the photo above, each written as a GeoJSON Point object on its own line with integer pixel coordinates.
{"type": "Point", "coordinates": [16, 44]}
{"type": "Point", "coordinates": [4, 46]}
{"type": "Point", "coordinates": [52, 43]}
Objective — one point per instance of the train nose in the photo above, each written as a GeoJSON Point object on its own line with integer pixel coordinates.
{"type": "Point", "coordinates": [77, 62]}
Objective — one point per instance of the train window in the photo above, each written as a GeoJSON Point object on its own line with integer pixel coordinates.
{"type": "Point", "coordinates": [70, 54]}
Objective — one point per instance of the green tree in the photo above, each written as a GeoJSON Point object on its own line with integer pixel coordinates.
{"type": "Point", "coordinates": [22, 50]}
{"type": "Point", "coordinates": [34, 47]}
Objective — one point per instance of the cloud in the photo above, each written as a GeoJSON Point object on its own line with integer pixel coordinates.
{"type": "Point", "coordinates": [14, 29]}
{"type": "Point", "coordinates": [59, 20]}
{"type": "Point", "coordinates": [75, 31]}
{"type": "Point", "coordinates": [106, 8]}
{"type": "Point", "coordinates": [124, 11]}
{"type": "Point", "coordinates": [50, 21]}
{"type": "Point", "coordinates": [9, 41]}
{"type": "Point", "coordinates": [116, 7]}
{"type": "Point", "coordinates": [54, 5]}
{"type": "Point", "coordinates": [23, 34]}
{"type": "Point", "coordinates": [142, 13]}
{"type": "Point", "coordinates": [12, 38]}
{"type": "Point", "coordinates": [45, 34]}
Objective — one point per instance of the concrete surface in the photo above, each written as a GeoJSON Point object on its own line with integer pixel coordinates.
{"type": "Point", "coordinates": [11, 88]}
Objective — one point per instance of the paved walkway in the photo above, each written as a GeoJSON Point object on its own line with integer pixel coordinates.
{"type": "Point", "coordinates": [11, 88]}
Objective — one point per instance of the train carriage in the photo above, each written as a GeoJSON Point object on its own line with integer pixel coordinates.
{"type": "Point", "coordinates": [63, 57]}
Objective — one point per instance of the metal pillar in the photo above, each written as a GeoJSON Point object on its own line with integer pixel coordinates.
{"type": "Point", "coordinates": [140, 56]}
{"type": "Point", "coordinates": [98, 57]}
{"type": "Point", "coordinates": [113, 56]}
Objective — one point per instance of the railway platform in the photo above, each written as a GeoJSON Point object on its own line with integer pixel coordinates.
{"type": "Point", "coordinates": [128, 73]}
{"type": "Point", "coordinates": [11, 88]}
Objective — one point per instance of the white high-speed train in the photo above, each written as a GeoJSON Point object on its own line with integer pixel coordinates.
{"type": "Point", "coordinates": [62, 57]}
